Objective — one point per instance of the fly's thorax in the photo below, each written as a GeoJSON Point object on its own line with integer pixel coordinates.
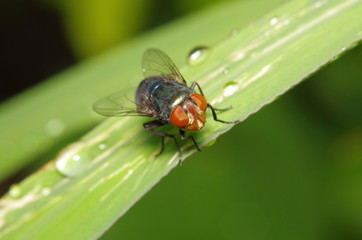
{"type": "Point", "coordinates": [166, 96]}
{"type": "Point", "coordinates": [159, 96]}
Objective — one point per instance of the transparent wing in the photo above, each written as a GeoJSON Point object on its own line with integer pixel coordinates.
{"type": "Point", "coordinates": [157, 63]}
{"type": "Point", "coordinates": [119, 104]}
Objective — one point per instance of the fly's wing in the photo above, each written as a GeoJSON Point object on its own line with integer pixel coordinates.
{"type": "Point", "coordinates": [119, 105]}
{"type": "Point", "coordinates": [157, 63]}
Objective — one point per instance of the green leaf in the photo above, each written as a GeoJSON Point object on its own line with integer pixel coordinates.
{"type": "Point", "coordinates": [113, 165]}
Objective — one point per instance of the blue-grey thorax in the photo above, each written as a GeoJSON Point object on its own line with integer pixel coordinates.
{"type": "Point", "coordinates": [161, 96]}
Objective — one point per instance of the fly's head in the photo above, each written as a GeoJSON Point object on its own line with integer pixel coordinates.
{"type": "Point", "coordinates": [191, 114]}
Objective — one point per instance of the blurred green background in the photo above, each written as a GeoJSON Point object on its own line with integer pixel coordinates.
{"type": "Point", "coordinates": [300, 176]}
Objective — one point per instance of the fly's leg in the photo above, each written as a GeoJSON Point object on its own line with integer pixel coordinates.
{"type": "Point", "coordinates": [214, 115]}
{"type": "Point", "coordinates": [184, 137]}
{"type": "Point", "coordinates": [222, 109]}
{"type": "Point", "coordinates": [195, 84]}
{"type": "Point", "coordinates": [213, 110]}
{"type": "Point", "coordinates": [150, 126]}
{"type": "Point", "coordinates": [162, 146]}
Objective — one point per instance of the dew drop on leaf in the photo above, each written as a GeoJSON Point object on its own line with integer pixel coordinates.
{"type": "Point", "coordinates": [46, 191]}
{"type": "Point", "coordinates": [15, 191]}
{"type": "Point", "coordinates": [102, 146]}
{"type": "Point", "coordinates": [230, 88]}
{"type": "Point", "coordinates": [73, 160]}
{"type": "Point", "coordinates": [274, 21]}
{"type": "Point", "coordinates": [198, 55]}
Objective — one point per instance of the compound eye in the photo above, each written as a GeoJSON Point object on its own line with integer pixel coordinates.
{"type": "Point", "coordinates": [200, 101]}
{"type": "Point", "coordinates": [179, 118]}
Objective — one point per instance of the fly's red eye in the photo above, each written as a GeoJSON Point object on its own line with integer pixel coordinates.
{"type": "Point", "coordinates": [200, 101]}
{"type": "Point", "coordinates": [179, 118]}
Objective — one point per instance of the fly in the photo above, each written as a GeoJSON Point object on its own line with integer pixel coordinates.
{"type": "Point", "coordinates": [165, 96]}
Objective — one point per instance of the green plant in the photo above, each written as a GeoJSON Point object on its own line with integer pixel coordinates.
{"type": "Point", "coordinates": [108, 169]}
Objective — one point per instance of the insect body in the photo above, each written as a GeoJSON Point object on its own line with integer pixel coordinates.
{"type": "Point", "coordinates": [172, 102]}
{"type": "Point", "coordinates": [165, 96]}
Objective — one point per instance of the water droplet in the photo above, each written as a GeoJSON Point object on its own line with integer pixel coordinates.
{"type": "Point", "coordinates": [198, 55]}
{"type": "Point", "coordinates": [230, 88]}
{"type": "Point", "coordinates": [73, 160]}
{"type": "Point", "coordinates": [225, 71]}
{"type": "Point", "coordinates": [46, 191]}
{"type": "Point", "coordinates": [55, 127]}
{"type": "Point", "coordinates": [15, 191]}
{"type": "Point", "coordinates": [274, 21]}
{"type": "Point", "coordinates": [234, 32]}
{"type": "Point", "coordinates": [130, 172]}
{"type": "Point", "coordinates": [211, 143]}
{"type": "Point", "coordinates": [102, 146]}
{"type": "Point", "coordinates": [343, 49]}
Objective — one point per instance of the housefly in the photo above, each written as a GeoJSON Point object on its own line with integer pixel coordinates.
{"type": "Point", "coordinates": [164, 96]}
